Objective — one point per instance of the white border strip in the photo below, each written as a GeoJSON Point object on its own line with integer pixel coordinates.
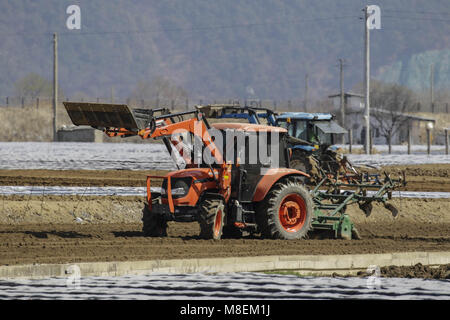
{"type": "Point", "coordinates": [323, 264]}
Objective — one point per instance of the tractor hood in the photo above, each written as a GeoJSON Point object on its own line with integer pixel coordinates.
{"type": "Point", "coordinates": [195, 173]}
{"type": "Point", "coordinates": [305, 116]}
{"type": "Point", "coordinates": [329, 127]}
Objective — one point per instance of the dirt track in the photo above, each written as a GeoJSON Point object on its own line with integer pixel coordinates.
{"type": "Point", "coordinates": [118, 242]}
{"type": "Point", "coordinates": [59, 229]}
{"type": "Point", "coordinates": [38, 230]}
{"type": "Point", "coordinates": [435, 177]}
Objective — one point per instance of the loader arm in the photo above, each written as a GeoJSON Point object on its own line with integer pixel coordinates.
{"type": "Point", "coordinates": [194, 126]}
{"type": "Point", "coordinates": [119, 120]}
{"type": "Point", "coordinates": [197, 126]}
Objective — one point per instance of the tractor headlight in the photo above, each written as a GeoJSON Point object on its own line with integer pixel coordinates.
{"type": "Point", "coordinates": [179, 187]}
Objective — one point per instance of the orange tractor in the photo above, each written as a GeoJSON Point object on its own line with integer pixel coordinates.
{"type": "Point", "coordinates": [227, 194]}
{"type": "Point", "coordinates": [224, 198]}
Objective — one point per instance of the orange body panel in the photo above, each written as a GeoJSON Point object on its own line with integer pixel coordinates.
{"type": "Point", "coordinates": [271, 177]}
{"type": "Point", "coordinates": [197, 188]}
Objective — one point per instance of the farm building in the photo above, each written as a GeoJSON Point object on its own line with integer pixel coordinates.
{"type": "Point", "coordinates": [381, 119]}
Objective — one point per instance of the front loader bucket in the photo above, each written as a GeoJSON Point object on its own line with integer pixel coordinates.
{"type": "Point", "coordinates": [101, 115]}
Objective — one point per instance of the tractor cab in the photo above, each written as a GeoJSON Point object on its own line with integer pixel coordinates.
{"type": "Point", "coordinates": [319, 129]}
{"type": "Point", "coordinates": [250, 113]}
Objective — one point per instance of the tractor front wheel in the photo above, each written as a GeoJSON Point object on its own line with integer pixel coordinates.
{"type": "Point", "coordinates": [211, 218]}
{"type": "Point", "coordinates": [286, 212]}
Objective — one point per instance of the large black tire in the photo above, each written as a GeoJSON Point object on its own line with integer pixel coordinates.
{"type": "Point", "coordinates": [286, 212]}
{"type": "Point", "coordinates": [153, 225]}
{"type": "Point", "coordinates": [211, 218]}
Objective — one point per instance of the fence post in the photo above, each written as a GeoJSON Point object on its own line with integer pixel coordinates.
{"type": "Point", "coordinates": [7, 101]}
{"type": "Point", "coordinates": [409, 139]}
{"type": "Point", "coordinates": [350, 140]}
{"type": "Point", "coordinates": [428, 141]}
{"type": "Point", "coordinates": [446, 141]}
{"type": "Point", "coordinates": [23, 102]}
{"type": "Point", "coordinates": [370, 144]}
{"type": "Point", "coordinates": [389, 143]}
{"type": "Point", "coordinates": [37, 103]}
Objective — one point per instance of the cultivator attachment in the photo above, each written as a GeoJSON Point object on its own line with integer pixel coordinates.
{"type": "Point", "coordinates": [331, 198]}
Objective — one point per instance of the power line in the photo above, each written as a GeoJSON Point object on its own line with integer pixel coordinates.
{"type": "Point", "coordinates": [418, 12]}
{"type": "Point", "coordinates": [231, 26]}
{"type": "Point", "coordinates": [417, 18]}
{"type": "Point", "coordinates": [191, 29]}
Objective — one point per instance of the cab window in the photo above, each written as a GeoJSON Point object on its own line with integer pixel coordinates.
{"type": "Point", "coordinates": [300, 130]}
{"type": "Point", "coordinates": [288, 126]}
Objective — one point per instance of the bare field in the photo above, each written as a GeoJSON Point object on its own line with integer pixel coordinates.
{"type": "Point", "coordinates": [426, 177]}
{"type": "Point", "coordinates": [63, 229]}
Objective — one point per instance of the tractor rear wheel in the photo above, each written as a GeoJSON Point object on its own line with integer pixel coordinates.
{"type": "Point", "coordinates": [286, 212]}
{"type": "Point", "coordinates": [154, 225]}
{"type": "Point", "coordinates": [211, 218]}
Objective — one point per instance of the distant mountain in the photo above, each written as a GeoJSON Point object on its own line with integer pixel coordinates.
{"type": "Point", "coordinates": [222, 48]}
{"type": "Point", "coordinates": [415, 71]}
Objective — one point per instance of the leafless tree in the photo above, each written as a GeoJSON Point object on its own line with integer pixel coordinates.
{"type": "Point", "coordinates": [389, 103]}
{"type": "Point", "coordinates": [159, 89]}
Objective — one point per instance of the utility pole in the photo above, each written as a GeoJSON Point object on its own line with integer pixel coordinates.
{"type": "Point", "coordinates": [342, 102]}
{"type": "Point", "coordinates": [306, 93]}
{"type": "Point", "coordinates": [55, 83]}
{"type": "Point", "coordinates": [341, 85]}
{"type": "Point", "coordinates": [432, 87]}
{"type": "Point", "coordinates": [367, 81]}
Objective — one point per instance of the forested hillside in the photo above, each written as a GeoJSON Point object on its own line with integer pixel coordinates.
{"type": "Point", "coordinates": [221, 48]}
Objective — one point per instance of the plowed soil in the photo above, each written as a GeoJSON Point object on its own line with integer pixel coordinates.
{"type": "Point", "coordinates": [65, 229]}
{"type": "Point", "coordinates": [440, 272]}
{"type": "Point", "coordinates": [433, 177]}
{"type": "Point", "coordinates": [74, 229]}
{"type": "Point", "coordinates": [417, 271]}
